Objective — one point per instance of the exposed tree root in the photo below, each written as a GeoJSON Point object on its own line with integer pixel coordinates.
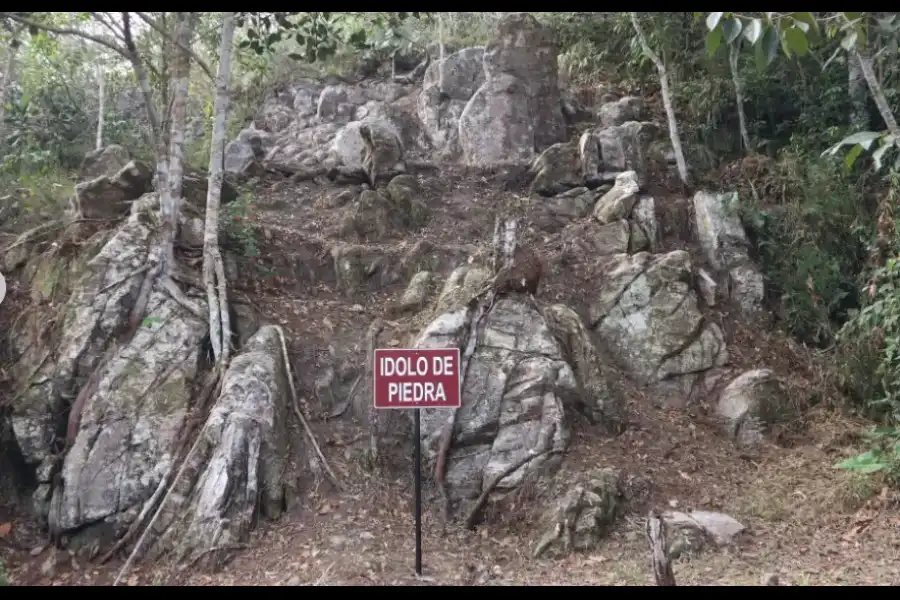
{"type": "Point", "coordinates": [123, 279]}
{"type": "Point", "coordinates": [504, 244]}
{"type": "Point", "coordinates": [475, 511]}
{"type": "Point", "coordinates": [215, 376]}
{"type": "Point", "coordinates": [299, 413]}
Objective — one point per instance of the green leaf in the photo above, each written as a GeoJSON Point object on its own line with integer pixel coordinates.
{"type": "Point", "coordinates": [811, 28]}
{"type": "Point", "coordinates": [713, 40]}
{"type": "Point", "coordinates": [731, 29]}
{"type": "Point", "coordinates": [753, 30]}
{"type": "Point", "coordinates": [796, 41]}
{"type": "Point", "coordinates": [864, 138]}
{"type": "Point", "coordinates": [712, 20]}
{"type": "Point", "coordinates": [866, 463]}
{"type": "Point", "coordinates": [851, 156]}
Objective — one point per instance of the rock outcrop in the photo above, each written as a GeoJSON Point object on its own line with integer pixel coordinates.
{"type": "Point", "coordinates": [518, 108]}
{"type": "Point", "coordinates": [726, 245]}
{"type": "Point", "coordinates": [514, 396]}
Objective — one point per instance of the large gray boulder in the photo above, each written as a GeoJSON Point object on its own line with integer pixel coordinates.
{"type": "Point", "coordinates": [439, 108]}
{"type": "Point", "coordinates": [512, 401]}
{"type": "Point", "coordinates": [725, 242]}
{"type": "Point", "coordinates": [646, 312]}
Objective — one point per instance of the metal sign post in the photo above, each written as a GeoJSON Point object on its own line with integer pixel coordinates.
{"type": "Point", "coordinates": [416, 378]}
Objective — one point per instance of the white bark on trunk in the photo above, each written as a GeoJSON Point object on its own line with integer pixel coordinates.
{"type": "Point", "coordinates": [865, 64]}
{"type": "Point", "coordinates": [9, 73]}
{"type": "Point", "coordinates": [667, 99]}
{"type": "Point", "coordinates": [739, 96]}
{"type": "Point", "coordinates": [101, 89]}
{"type": "Point", "coordinates": [180, 87]}
{"type": "Point", "coordinates": [167, 206]}
{"type": "Point", "coordinates": [440, 53]}
{"type": "Point", "coordinates": [213, 267]}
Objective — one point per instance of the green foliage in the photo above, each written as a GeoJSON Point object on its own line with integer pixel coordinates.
{"type": "Point", "coordinates": [4, 578]}
{"type": "Point", "coordinates": [319, 35]}
{"type": "Point", "coordinates": [869, 364]}
{"type": "Point", "coordinates": [871, 344]}
{"type": "Point", "coordinates": [883, 457]}
{"type": "Point", "coordinates": [241, 226]}
{"type": "Point", "coordinates": [794, 33]}
{"type": "Point", "coordinates": [811, 246]}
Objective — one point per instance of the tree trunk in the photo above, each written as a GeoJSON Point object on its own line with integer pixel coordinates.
{"type": "Point", "coordinates": [667, 99]}
{"type": "Point", "coordinates": [101, 89]}
{"type": "Point", "coordinates": [739, 95]}
{"type": "Point", "coordinates": [859, 96]}
{"type": "Point", "coordinates": [865, 65]}
{"type": "Point", "coordinates": [440, 53]}
{"type": "Point", "coordinates": [9, 73]}
{"type": "Point", "coordinates": [180, 85]}
{"type": "Point", "coordinates": [213, 268]}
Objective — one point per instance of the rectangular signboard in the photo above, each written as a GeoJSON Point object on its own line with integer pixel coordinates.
{"type": "Point", "coordinates": [417, 378]}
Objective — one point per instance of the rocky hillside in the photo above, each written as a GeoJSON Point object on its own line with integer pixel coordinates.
{"type": "Point", "coordinates": [642, 375]}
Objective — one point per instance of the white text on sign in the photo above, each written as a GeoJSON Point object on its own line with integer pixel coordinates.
{"type": "Point", "coordinates": [410, 378]}
{"type": "Point", "coordinates": [414, 392]}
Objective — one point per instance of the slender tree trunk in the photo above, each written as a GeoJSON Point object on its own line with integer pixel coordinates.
{"type": "Point", "coordinates": [213, 268]}
{"type": "Point", "coordinates": [440, 53]}
{"type": "Point", "coordinates": [9, 73]}
{"type": "Point", "coordinates": [865, 65]}
{"type": "Point", "coordinates": [667, 99]}
{"type": "Point", "coordinates": [180, 86]}
{"type": "Point", "coordinates": [859, 95]}
{"type": "Point", "coordinates": [101, 88]}
{"type": "Point", "coordinates": [739, 95]}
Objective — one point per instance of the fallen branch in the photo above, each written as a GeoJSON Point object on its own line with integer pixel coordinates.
{"type": "Point", "coordinates": [26, 237]}
{"type": "Point", "coordinates": [485, 494]}
{"type": "Point", "coordinates": [296, 406]}
{"type": "Point", "coordinates": [660, 561]}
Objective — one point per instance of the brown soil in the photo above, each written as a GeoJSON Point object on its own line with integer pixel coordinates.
{"type": "Point", "coordinates": [810, 523]}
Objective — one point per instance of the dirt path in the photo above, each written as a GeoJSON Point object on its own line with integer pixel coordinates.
{"type": "Point", "coordinates": [807, 522]}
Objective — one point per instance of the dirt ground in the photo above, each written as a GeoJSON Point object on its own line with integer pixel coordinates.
{"type": "Point", "coordinates": [806, 521]}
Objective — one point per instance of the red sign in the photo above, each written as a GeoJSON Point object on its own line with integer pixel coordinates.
{"type": "Point", "coordinates": [417, 378]}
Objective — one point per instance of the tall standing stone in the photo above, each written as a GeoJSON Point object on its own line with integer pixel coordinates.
{"type": "Point", "coordinates": [517, 111]}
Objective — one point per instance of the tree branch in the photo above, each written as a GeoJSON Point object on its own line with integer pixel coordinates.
{"type": "Point", "coordinates": [161, 30]}
{"type": "Point", "coordinates": [68, 31]}
{"type": "Point", "coordinates": [103, 41]}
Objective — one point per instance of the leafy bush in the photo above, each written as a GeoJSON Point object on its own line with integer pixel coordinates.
{"type": "Point", "coordinates": [241, 227]}
{"type": "Point", "coordinates": [812, 243]}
